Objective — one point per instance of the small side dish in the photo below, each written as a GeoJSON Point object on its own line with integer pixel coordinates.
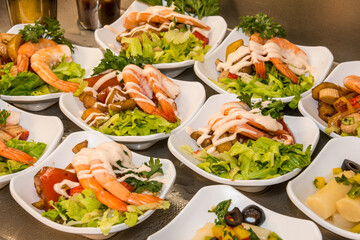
{"type": "Point", "coordinates": [102, 187]}
{"type": "Point", "coordinates": [133, 102]}
{"type": "Point", "coordinates": [248, 141]}
{"type": "Point", "coordinates": [236, 224]}
{"type": "Point", "coordinates": [38, 61]}
{"type": "Point", "coordinates": [337, 200]}
{"type": "Point", "coordinates": [16, 153]}
{"type": "Point", "coordinates": [338, 106]}
{"type": "Point", "coordinates": [269, 66]}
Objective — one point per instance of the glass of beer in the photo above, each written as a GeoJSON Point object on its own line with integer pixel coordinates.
{"type": "Point", "coordinates": [94, 14]}
{"type": "Point", "coordinates": [29, 11]}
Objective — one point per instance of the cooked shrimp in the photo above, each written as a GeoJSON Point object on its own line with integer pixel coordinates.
{"type": "Point", "coordinates": [132, 75]}
{"type": "Point", "coordinates": [103, 173]}
{"type": "Point", "coordinates": [284, 54]}
{"type": "Point", "coordinates": [160, 15]}
{"type": "Point", "coordinates": [133, 19]}
{"type": "Point", "coordinates": [15, 154]}
{"type": "Point", "coordinates": [168, 105]}
{"type": "Point", "coordinates": [352, 82]}
{"type": "Point", "coordinates": [26, 50]}
{"type": "Point", "coordinates": [44, 59]}
{"type": "Point", "coordinates": [256, 51]}
{"type": "Point", "coordinates": [82, 168]}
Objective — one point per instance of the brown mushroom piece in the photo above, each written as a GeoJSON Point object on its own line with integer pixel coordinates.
{"type": "Point", "coordinates": [349, 123]}
{"type": "Point", "coordinates": [326, 111]}
{"type": "Point", "coordinates": [316, 90]}
{"type": "Point", "coordinates": [128, 104]}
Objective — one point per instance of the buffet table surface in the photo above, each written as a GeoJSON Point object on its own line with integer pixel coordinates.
{"type": "Point", "coordinates": [16, 223]}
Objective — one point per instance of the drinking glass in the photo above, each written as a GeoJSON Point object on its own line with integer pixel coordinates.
{"type": "Point", "coordinates": [29, 11]}
{"type": "Point", "coordinates": [94, 14]}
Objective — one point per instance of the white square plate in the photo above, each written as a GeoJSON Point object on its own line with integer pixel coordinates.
{"type": "Point", "coordinates": [43, 129]}
{"type": "Point", "coordinates": [319, 57]}
{"type": "Point", "coordinates": [188, 102]}
{"type": "Point", "coordinates": [106, 38]}
{"type": "Point", "coordinates": [87, 57]}
{"type": "Point", "coordinates": [331, 156]}
{"type": "Point", "coordinates": [23, 190]}
{"type": "Point", "coordinates": [303, 129]}
{"type": "Point", "coordinates": [195, 215]}
{"type": "Point", "coordinates": [309, 106]}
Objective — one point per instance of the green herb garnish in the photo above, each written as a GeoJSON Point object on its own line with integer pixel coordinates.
{"type": "Point", "coordinates": [220, 210]}
{"type": "Point", "coordinates": [195, 8]}
{"type": "Point", "coordinates": [118, 62]}
{"type": "Point", "coordinates": [342, 180]}
{"type": "Point", "coordinates": [261, 23]}
{"type": "Point", "coordinates": [3, 116]}
{"type": "Point", "coordinates": [246, 98]}
{"type": "Point", "coordinates": [49, 29]}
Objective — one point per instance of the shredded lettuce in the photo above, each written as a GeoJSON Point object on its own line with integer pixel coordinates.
{"type": "Point", "coordinates": [261, 159]}
{"type": "Point", "coordinates": [136, 123]}
{"type": "Point", "coordinates": [276, 85]}
{"type": "Point", "coordinates": [84, 210]}
{"type": "Point", "coordinates": [34, 149]}
{"type": "Point", "coordinates": [172, 46]}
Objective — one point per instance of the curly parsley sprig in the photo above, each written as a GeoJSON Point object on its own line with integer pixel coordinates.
{"type": "Point", "coordinates": [49, 29]}
{"type": "Point", "coordinates": [261, 23]}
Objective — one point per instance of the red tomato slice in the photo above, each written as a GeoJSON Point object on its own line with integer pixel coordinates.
{"type": "Point", "coordinates": [201, 37]}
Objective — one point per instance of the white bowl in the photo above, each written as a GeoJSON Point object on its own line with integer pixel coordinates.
{"type": "Point", "coordinates": [303, 129]}
{"type": "Point", "coordinates": [189, 101]}
{"type": "Point", "coordinates": [319, 57]}
{"type": "Point", "coordinates": [107, 39]}
{"type": "Point", "coordinates": [87, 57]}
{"type": "Point", "coordinates": [195, 215]}
{"type": "Point", "coordinates": [23, 190]}
{"type": "Point", "coordinates": [309, 106]}
{"type": "Point", "coordinates": [43, 129]}
{"type": "Point", "coordinates": [331, 156]}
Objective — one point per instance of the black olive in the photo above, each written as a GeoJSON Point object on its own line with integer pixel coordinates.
{"type": "Point", "coordinates": [350, 165]}
{"type": "Point", "coordinates": [214, 238]}
{"type": "Point", "coordinates": [254, 215]}
{"type": "Point", "coordinates": [234, 217]}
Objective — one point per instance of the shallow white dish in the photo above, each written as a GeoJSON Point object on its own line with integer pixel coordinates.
{"type": "Point", "coordinates": [303, 129]}
{"type": "Point", "coordinates": [23, 190]}
{"type": "Point", "coordinates": [319, 57]}
{"type": "Point", "coordinates": [195, 215]}
{"type": "Point", "coordinates": [331, 156]}
{"type": "Point", "coordinates": [87, 57]}
{"type": "Point", "coordinates": [44, 129]}
{"type": "Point", "coordinates": [189, 101]}
{"type": "Point", "coordinates": [107, 39]}
{"type": "Point", "coordinates": [309, 106]}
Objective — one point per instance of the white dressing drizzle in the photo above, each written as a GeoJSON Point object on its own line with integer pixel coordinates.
{"type": "Point", "coordinates": [58, 187]}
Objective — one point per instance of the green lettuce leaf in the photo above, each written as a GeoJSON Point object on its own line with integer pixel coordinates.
{"type": "Point", "coordinates": [34, 149]}
{"type": "Point", "coordinates": [261, 159]}
{"type": "Point", "coordinates": [136, 123]}
{"type": "Point", "coordinates": [67, 70]}
{"type": "Point", "coordinates": [21, 85]}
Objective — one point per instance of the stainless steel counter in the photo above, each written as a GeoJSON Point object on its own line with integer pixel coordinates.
{"type": "Point", "coordinates": [16, 223]}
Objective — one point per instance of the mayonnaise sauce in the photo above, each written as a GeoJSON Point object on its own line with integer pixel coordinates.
{"type": "Point", "coordinates": [58, 187]}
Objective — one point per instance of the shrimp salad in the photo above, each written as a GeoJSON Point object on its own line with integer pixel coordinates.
{"type": "Point", "coordinates": [102, 187]}
{"type": "Point", "coordinates": [271, 67]}
{"type": "Point", "coordinates": [16, 154]}
{"type": "Point", "coordinates": [37, 66]}
{"type": "Point", "coordinates": [133, 102]}
{"type": "Point", "coordinates": [163, 36]}
{"type": "Point", "coordinates": [241, 143]}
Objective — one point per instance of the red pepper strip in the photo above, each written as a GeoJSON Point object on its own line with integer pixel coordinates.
{"type": "Point", "coordinates": [355, 101]}
{"type": "Point", "coordinates": [201, 37]}
{"type": "Point", "coordinates": [232, 76]}
{"type": "Point", "coordinates": [74, 190]}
